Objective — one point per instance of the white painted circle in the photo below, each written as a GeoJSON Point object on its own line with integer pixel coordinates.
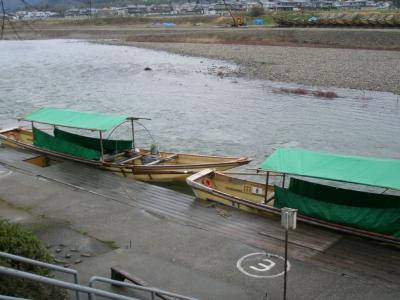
{"type": "Point", "coordinates": [4, 172]}
{"type": "Point", "coordinates": [257, 271]}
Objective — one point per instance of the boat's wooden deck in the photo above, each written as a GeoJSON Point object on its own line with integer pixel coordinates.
{"type": "Point", "coordinates": [345, 254]}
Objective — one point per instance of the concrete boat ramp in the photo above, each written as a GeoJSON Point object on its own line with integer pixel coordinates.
{"type": "Point", "coordinates": [91, 220]}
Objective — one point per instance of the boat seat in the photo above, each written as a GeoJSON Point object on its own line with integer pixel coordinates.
{"type": "Point", "coordinates": [118, 156]}
{"type": "Point", "coordinates": [108, 157]}
{"type": "Point", "coordinates": [171, 157]}
{"type": "Point", "coordinates": [126, 160]}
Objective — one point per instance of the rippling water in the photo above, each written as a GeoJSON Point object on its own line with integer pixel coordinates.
{"type": "Point", "coordinates": [192, 109]}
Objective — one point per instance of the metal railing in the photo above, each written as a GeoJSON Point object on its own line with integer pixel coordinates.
{"type": "Point", "coordinates": [62, 284]}
{"type": "Point", "coordinates": [153, 291]}
{"type": "Point", "coordinates": [91, 291]}
{"type": "Point", "coordinates": [42, 264]}
{"type": "Point", "coordinates": [3, 297]}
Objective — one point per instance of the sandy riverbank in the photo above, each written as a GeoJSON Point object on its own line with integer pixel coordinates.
{"type": "Point", "coordinates": [349, 68]}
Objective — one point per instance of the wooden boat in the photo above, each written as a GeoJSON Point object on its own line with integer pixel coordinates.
{"type": "Point", "coordinates": [372, 215]}
{"type": "Point", "coordinates": [118, 156]}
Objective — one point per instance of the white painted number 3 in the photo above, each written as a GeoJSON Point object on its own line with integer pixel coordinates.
{"type": "Point", "coordinates": [263, 267]}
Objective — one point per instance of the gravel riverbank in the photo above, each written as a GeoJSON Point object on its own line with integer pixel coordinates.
{"type": "Point", "coordinates": [366, 59]}
{"type": "Point", "coordinates": [349, 68]}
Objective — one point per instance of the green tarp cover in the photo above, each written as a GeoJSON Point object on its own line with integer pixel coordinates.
{"type": "Point", "coordinates": [380, 220]}
{"type": "Point", "coordinates": [47, 141]}
{"type": "Point", "coordinates": [69, 118]}
{"type": "Point", "coordinates": [355, 169]}
{"type": "Point", "coordinates": [342, 196]}
{"type": "Point", "coordinates": [109, 146]}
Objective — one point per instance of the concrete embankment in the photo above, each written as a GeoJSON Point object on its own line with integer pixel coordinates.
{"type": "Point", "coordinates": [177, 243]}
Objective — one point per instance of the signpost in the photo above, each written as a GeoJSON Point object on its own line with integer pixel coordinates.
{"type": "Point", "coordinates": [288, 221]}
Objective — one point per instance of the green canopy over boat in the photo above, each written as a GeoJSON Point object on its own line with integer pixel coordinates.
{"type": "Point", "coordinates": [374, 212]}
{"type": "Point", "coordinates": [73, 144]}
{"type": "Point", "coordinates": [378, 213]}
{"type": "Point", "coordinates": [371, 171]}
{"type": "Point", "coordinates": [75, 119]}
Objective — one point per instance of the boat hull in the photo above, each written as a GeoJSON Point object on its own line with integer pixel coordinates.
{"type": "Point", "coordinates": [249, 196]}
{"type": "Point", "coordinates": [165, 168]}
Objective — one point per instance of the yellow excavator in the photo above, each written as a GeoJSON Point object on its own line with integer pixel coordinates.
{"type": "Point", "coordinates": [237, 21]}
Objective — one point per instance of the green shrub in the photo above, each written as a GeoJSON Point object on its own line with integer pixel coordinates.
{"type": "Point", "coordinates": [257, 11]}
{"type": "Point", "coordinates": [15, 240]}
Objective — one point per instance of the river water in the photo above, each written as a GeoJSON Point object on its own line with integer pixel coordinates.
{"type": "Point", "coordinates": [191, 107]}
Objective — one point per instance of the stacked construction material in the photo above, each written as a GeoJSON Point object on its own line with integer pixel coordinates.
{"type": "Point", "coordinates": [341, 20]}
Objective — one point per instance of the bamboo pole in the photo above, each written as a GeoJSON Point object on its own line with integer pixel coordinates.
{"type": "Point", "coordinates": [242, 173]}
{"type": "Point", "coordinates": [266, 187]}
{"type": "Point", "coordinates": [283, 180]}
{"type": "Point", "coordinates": [101, 146]}
{"type": "Point", "coordinates": [133, 135]}
{"type": "Point", "coordinates": [258, 170]}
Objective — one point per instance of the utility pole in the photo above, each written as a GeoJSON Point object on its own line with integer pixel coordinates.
{"type": "Point", "coordinates": [90, 9]}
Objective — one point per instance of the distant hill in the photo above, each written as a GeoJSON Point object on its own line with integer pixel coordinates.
{"type": "Point", "coordinates": [13, 4]}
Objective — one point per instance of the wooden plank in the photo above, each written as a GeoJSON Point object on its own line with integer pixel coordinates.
{"type": "Point", "coordinates": [117, 273]}
{"type": "Point", "coordinates": [110, 158]}
{"type": "Point", "coordinates": [162, 160]}
{"type": "Point", "coordinates": [167, 202]}
{"type": "Point", "coordinates": [7, 129]}
{"type": "Point", "coordinates": [343, 253]}
{"type": "Point", "coordinates": [129, 159]}
{"type": "Point", "coordinates": [295, 239]}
